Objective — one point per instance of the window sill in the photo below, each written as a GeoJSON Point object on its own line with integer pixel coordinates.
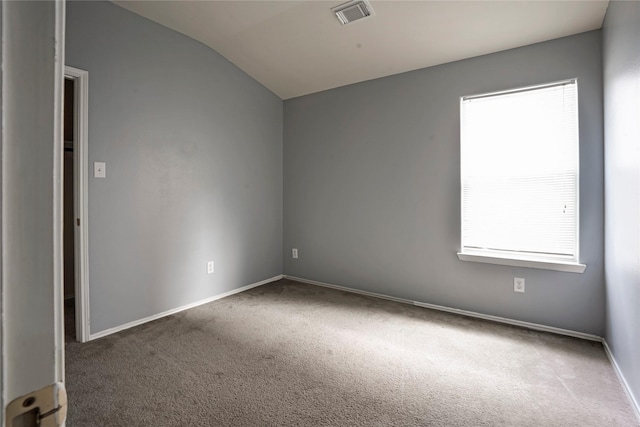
{"type": "Point", "coordinates": [570, 267]}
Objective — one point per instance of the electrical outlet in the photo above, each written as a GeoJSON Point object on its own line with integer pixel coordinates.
{"type": "Point", "coordinates": [210, 267]}
{"type": "Point", "coordinates": [294, 253]}
{"type": "Point", "coordinates": [518, 284]}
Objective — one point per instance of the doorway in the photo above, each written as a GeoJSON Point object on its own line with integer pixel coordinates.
{"type": "Point", "coordinates": [75, 216]}
{"type": "Point", "coordinates": [69, 213]}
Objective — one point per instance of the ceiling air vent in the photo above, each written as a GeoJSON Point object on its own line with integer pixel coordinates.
{"type": "Point", "coordinates": [352, 11]}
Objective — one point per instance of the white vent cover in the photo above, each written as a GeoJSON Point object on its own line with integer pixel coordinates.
{"type": "Point", "coordinates": [352, 11]}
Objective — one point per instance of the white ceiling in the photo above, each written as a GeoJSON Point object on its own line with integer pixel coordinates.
{"type": "Point", "coordinates": [299, 47]}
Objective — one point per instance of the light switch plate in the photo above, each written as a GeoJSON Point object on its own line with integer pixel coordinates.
{"type": "Point", "coordinates": [99, 170]}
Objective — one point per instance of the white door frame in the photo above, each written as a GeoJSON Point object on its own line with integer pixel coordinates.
{"type": "Point", "coordinates": [31, 309]}
{"type": "Point", "coordinates": [80, 202]}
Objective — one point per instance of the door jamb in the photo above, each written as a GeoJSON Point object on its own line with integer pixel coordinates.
{"type": "Point", "coordinates": [80, 204]}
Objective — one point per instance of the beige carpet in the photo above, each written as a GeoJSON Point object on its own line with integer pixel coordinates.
{"type": "Point", "coordinates": [290, 354]}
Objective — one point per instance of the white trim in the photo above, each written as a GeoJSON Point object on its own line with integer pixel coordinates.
{"type": "Point", "coordinates": [182, 308]}
{"type": "Point", "coordinates": [577, 251]}
{"type": "Point", "coordinates": [528, 325]}
{"type": "Point", "coordinates": [513, 322]}
{"type": "Point", "coordinates": [81, 208]}
{"type": "Point", "coordinates": [632, 400]}
{"type": "Point", "coordinates": [568, 267]}
{"type": "Point", "coordinates": [565, 82]}
{"type": "Point", "coordinates": [58, 191]}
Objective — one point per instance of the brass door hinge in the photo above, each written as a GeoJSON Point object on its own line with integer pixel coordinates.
{"type": "Point", "coordinates": [46, 407]}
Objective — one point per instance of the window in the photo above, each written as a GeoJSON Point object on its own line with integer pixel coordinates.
{"type": "Point", "coordinates": [519, 177]}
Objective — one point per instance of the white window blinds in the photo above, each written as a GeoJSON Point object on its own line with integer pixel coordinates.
{"type": "Point", "coordinates": [519, 172]}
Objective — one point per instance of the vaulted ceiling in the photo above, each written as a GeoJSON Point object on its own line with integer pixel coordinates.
{"type": "Point", "coordinates": [299, 47]}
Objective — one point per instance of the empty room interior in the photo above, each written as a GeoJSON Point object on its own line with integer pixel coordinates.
{"type": "Point", "coordinates": [297, 215]}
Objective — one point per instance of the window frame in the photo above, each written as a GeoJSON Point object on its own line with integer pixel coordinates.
{"type": "Point", "coordinates": [547, 261]}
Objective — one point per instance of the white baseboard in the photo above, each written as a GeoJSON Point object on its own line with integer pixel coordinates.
{"type": "Point", "coordinates": [634, 403]}
{"type": "Point", "coordinates": [528, 325]}
{"type": "Point", "coordinates": [179, 309]}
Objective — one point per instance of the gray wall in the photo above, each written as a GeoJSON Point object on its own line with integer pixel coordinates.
{"type": "Point", "coordinates": [193, 152]}
{"type": "Point", "coordinates": [621, 54]}
{"type": "Point", "coordinates": [372, 187]}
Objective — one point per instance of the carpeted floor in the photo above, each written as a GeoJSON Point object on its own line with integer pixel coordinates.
{"type": "Point", "coordinates": [291, 354]}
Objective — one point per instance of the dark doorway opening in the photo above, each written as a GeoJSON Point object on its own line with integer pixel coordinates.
{"type": "Point", "coordinates": [69, 227]}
